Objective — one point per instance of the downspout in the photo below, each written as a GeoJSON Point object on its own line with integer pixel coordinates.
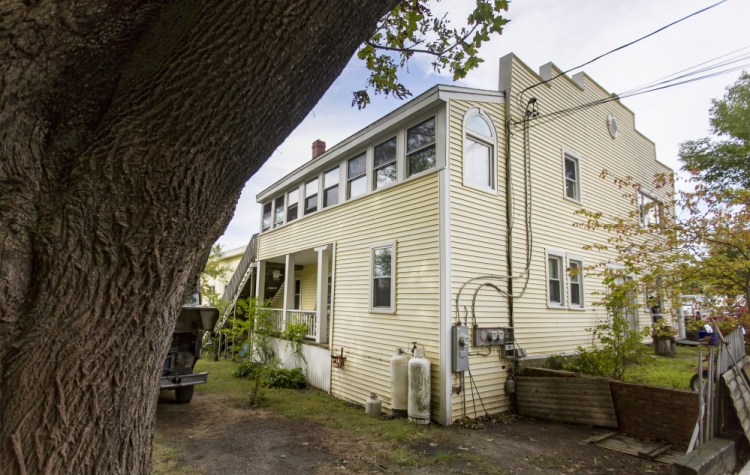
{"type": "Point", "coordinates": [509, 204]}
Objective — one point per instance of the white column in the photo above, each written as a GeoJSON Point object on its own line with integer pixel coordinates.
{"type": "Point", "coordinates": [260, 282]}
{"type": "Point", "coordinates": [288, 287]}
{"type": "Point", "coordinates": [321, 333]}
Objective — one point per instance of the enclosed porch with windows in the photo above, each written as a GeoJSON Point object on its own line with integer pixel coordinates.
{"type": "Point", "coordinates": [298, 289]}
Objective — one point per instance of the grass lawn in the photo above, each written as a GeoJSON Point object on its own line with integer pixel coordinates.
{"type": "Point", "coordinates": [316, 406]}
{"type": "Point", "coordinates": [668, 371]}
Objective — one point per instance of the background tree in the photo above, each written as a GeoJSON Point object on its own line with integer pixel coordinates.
{"type": "Point", "coordinates": [212, 272]}
{"type": "Point", "coordinates": [724, 163]}
{"type": "Point", "coordinates": [127, 131]}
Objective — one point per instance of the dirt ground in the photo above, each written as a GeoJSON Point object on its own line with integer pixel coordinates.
{"type": "Point", "coordinates": [215, 435]}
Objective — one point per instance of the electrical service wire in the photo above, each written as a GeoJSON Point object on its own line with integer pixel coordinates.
{"type": "Point", "coordinates": [630, 43]}
{"type": "Point", "coordinates": [672, 80]}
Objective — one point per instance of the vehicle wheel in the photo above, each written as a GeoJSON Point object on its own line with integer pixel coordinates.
{"type": "Point", "coordinates": [184, 394]}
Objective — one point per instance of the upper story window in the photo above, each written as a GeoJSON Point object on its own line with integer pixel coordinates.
{"type": "Point", "coordinates": [479, 151]}
{"type": "Point", "coordinates": [572, 177]}
{"type": "Point", "coordinates": [384, 166]}
{"type": "Point", "coordinates": [292, 205]}
{"type": "Point", "coordinates": [356, 176]}
{"type": "Point", "coordinates": [649, 211]}
{"type": "Point", "coordinates": [331, 187]}
{"type": "Point", "coordinates": [311, 196]}
{"type": "Point", "coordinates": [382, 294]}
{"type": "Point", "coordinates": [267, 215]}
{"type": "Point", "coordinates": [278, 215]}
{"type": "Point", "coordinates": [420, 147]}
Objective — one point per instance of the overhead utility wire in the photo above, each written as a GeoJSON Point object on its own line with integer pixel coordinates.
{"type": "Point", "coordinates": [520, 94]}
{"type": "Point", "coordinates": [545, 118]}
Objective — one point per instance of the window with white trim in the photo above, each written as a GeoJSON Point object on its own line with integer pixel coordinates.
{"type": "Point", "coordinates": [555, 280]}
{"type": "Point", "coordinates": [420, 147]}
{"type": "Point", "coordinates": [278, 213]}
{"type": "Point", "coordinates": [649, 211]}
{"type": "Point", "coordinates": [292, 205]}
{"type": "Point", "coordinates": [572, 177]}
{"type": "Point", "coordinates": [297, 293]}
{"type": "Point", "coordinates": [311, 196]}
{"type": "Point", "coordinates": [382, 293]}
{"type": "Point", "coordinates": [331, 187]}
{"type": "Point", "coordinates": [384, 165]}
{"type": "Point", "coordinates": [575, 269]}
{"type": "Point", "coordinates": [267, 208]}
{"type": "Point", "coordinates": [479, 151]}
{"type": "Point", "coordinates": [356, 176]}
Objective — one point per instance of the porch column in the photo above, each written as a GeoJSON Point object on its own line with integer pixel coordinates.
{"type": "Point", "coordinates": [288, 288]}
{"type": "Point", "coordinates": [321, 323]}
{"type": "Point", "coordinates": [260, 283]}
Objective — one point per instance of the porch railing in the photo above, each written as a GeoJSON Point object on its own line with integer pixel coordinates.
{"type": "Point", "coordinates": [276, 319]}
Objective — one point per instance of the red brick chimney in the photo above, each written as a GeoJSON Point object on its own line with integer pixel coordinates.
{"type": "Point", "coordinates": [318, 148]}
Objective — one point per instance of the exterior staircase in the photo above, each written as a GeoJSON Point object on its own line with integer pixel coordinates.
{"type": "Point", "coordinates": [240, 277]}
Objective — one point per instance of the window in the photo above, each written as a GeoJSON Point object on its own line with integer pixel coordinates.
{"type": "Point", "coordinates": [384, 167]}
{"type": "Point", "coordinates": [420, 147]}
{"type": "Point", "coordinates": [382, 285]}
{"type": "Point", "coordinates": [331, 187]}
{"type": "Point", "coordinates": [649, 211]}
{"type": "Point", "coordinates": [356, 176]}
{"type": "Point", "coordinates": [278, 214]}
{"type": "Point", "coordinates": [479, 164]}
{"type": "Point", "coordinates": [554, 280]}
{"type": "Point", "coordinates": [292, 200]}
{"type": "Point", "coordinates": [297, 293]}
{"type": "Point", "coordinates": [576, 283]}
{"type": "Point", "coordinates": [266, 216]}
{"type": "Point", "coordinates": [572, 178]}
{"type": "Point", "coordinates": [311, 196]}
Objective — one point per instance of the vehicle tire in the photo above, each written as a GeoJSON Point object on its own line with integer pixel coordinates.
{"type": "Point", "coordinates": [183, 394]}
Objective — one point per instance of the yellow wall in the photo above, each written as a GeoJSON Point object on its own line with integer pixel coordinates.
{"type": "Point", "coordinates": [408, 214]}
{"type": "Point", "coordinates": [539, 329]}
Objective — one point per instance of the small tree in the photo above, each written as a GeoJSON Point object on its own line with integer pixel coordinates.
{"type": "Point", "coordinates": [213, 271]}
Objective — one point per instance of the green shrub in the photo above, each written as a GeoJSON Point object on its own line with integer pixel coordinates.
{"type": "Point", "coordinates": [555, 362]}
{"type": "Point", "coordinates": [285, 378]}
{"type": "Point", "coordinates": [245, 369]}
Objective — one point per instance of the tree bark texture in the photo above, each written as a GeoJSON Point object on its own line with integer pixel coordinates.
{"type": "Point", "coordinates": [127, 131]}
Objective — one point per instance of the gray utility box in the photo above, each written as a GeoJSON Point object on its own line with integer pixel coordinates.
{"type": "Point", "coordinates": [460, 348]}
{"type": "Point", "coordinates": [492, 336]}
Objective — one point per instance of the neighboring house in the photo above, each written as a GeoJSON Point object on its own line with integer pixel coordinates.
{"type": "Point", "coordinates": [384, 230]}
{"type": "Point", "coordinates": [229, 260]}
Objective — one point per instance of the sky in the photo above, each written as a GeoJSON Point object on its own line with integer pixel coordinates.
{"type": "Point", "coordinates": [567, 33]}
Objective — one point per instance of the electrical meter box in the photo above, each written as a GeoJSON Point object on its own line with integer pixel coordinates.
{"type": "Point", "coordinates": [460, 342]}
{"type": "Point", "coordinates": [492, 336]}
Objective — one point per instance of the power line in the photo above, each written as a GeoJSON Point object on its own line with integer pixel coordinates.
{"type": "Point", "coordinates": [520, 94]}
{"type": "Point", "coordinates": [651, 87]}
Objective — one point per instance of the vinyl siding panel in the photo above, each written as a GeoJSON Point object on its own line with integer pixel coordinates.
{"type": "Point", "coordinates": [541, 330]}
{"type": "Point", "coordinates": [478, 224]}
{"type": "Point", "coordinates": [407, 214]}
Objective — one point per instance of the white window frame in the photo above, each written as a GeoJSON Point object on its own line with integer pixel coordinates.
{"type": "Point", "coordinates": [491, 142]}
{"type": "Point", "coordinates": [319, 202]}
{"type": "Point", "coordinates": [350, 179]}
{"type": "Point", "coordinates": [568, 154]}
{"type": "Point", "coordinates": [324, 203]}
{"type": "Point", "coordinates": [432, 144]}
{"type": "Point", "coordinates": [275, 213]}
{"type": "Point", "coordinates": [581, 283]}
{"type": "Point", "coordinates": [371, 277]}
{"type": "Point", "coordinates": [656, 209]}
{"type": "Point", "coordinates": [263, 227]}
{"type": "Point", "coordinates": [553, 253]}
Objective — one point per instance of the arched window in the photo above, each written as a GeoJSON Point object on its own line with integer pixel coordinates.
{"type": "Point", "coordinates": [479, 150]}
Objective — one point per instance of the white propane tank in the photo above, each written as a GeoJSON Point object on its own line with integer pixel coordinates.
{"type": "Point", "coordinates": [372, 406]}
{"type": "Point", "coordinates": [419, 388]}
{"type": "Point", "coordinates": [399, 383]}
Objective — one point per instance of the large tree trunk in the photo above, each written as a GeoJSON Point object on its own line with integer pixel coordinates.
{"type": "Point", "coordinates": [127, 131]}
